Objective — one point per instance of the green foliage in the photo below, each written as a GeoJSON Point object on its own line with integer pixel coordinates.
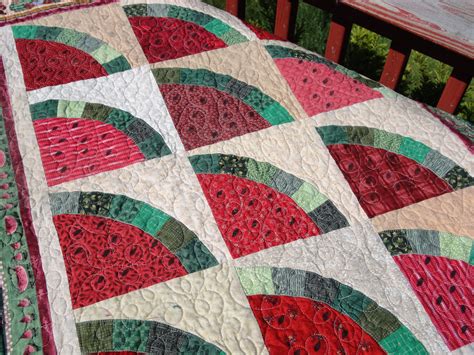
{"type": "Point", "coordinates": [423, 79]}
{"type": "Point", "coordinates": [312, 28]}
{"type": "Point", "coordinates": [366, 52]}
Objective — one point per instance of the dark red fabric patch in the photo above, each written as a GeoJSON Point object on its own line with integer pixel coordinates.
{"type": "Point", "coordinates": [50, 63]}
{"type": "Point", "coordinates": [252, 216]}
{"type": "Point", "coordinates": [74, 147]}
{"type": "Point", "coordinates": [384, 181]}
{"type": "Point", "coordinates": [106, 258]}
{"type": "Point", "coordinates": [165, 38]}
{"type": "Point", "coordinates": [298, 325]}
{"type": "Point", "coordinates": [444, 288]}
{"type": "Point", "coordinates": [262, 34]}
{"type": "Point", "coordinates": [204, 115]}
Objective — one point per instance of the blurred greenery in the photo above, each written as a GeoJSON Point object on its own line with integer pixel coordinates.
{"type": "Point", "coordinates": [424, 77]}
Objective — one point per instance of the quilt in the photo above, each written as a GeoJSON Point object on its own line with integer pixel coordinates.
{"type": "Point", "coordinates": [173, 181]}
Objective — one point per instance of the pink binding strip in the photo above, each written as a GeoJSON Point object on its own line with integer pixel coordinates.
{"type": "Point", "coordinates": [26, 219]}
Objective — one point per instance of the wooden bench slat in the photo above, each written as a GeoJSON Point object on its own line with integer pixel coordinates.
{"type": "Point", "coordinates": [339, 34]}
{"type": "Point", "coordinates": [454, 90]}
{"type": "Point", "coordinates": [395, 64]}
{"type": "Point", "coordinates": [285, 19]}
{"type": "Point", "coordinates": [236, 8]}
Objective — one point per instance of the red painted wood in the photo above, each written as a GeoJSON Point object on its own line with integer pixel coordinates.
{"type": "Point", "coordinates": [236, 8]}
{"type": "Point", "coordinates": [394, 65]}
{"type": "Point", "coordinates": [454, 91]}
{"type": "Point", "coordinates": [285, 19]}
{"type": "Point", "coordinates": [446, 23]}
{"type": "Point", "coordinates": [339, 33]}
{"type": "Point", "coordinates": [392, 28]}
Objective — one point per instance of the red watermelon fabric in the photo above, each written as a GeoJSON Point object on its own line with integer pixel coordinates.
{"type": "Point", "coordinates": [298, 325]}
{"type": "Point", "coordinates": [252, 216]}
{"type": "Point", "coordinates": [384, 181]}
{"type": "Point", "coordinates": [74, 147]}
{"type": "Point", "coordinates": [319, 88]}
{"type": "Point", "coordinates": [444, 287]}
{"type": "Point", "coordinates": [106, 258]}
{"type": "Point", "coordinates": [164, 38]}
{"type": "Point", "coordinates": [48, 63]}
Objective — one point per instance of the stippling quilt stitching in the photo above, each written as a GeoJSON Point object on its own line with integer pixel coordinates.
{"type": "Point", "coordinates": [174, 181]}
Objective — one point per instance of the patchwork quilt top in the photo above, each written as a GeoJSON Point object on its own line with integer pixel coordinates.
{"type": "Point", "coordinates": [173, 181]}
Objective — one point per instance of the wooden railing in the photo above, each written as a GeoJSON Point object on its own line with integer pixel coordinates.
{"type": "Point", "coordinates": [402, 42]}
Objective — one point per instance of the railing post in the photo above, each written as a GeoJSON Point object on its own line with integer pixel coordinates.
{"type": "Point", "coordinates": [395, 64]}
{"type": "Point", "coordinates": [454, 90]}
{"type": "Point", "coordinates": [339, 33]}
{"type": "Point", "coordinates": [285, 19]}
{"type": "Point", "coordinates": [236, 8]}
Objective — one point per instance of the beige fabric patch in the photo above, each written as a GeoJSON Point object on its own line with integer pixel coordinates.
{"type": "Point", "coordinates": [450, 212]}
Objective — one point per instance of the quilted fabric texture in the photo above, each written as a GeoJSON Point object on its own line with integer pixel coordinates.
{"type": "Point", "coordinates": [174, 181]}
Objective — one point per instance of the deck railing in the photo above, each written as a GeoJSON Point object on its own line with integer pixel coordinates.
{"type": "Point", "coordinates": [402, 42]}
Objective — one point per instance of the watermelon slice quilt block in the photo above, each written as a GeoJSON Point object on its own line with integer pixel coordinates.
{"type": "Point", "coordinates": [77, 139]}
{"type": "Point", "coordinates": [208, 107]}
{"type": "Point", "coordinates": [320, 85]}
{"type": "Point", "coordinates": [212, 99]}
{"type": "Point", "coordinates": [113, 244]}
{"type": "Point", "coordinates": [388, 171]}
{"type": "Point", "coordinates": [302, 312]}
{"type": "Point", "coordinates": [52, 52]}
{"type": "Point", "coordinates": [258, 205]}
{"type": "Point", "coordinates": [166, 31]}
{"type": "Point", "coordinates": [439, 267]}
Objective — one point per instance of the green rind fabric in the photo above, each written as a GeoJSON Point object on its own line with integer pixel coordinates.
{"type": "Point", "coordinates": [174, 235]}
{"type": "Point", "coordinates": [265, 106]}
{"type": "Point", "coordinates": [140, 336]}
{"type": "Point", "coordinates": [428, 242]}
{"type": "Point", "coordinates": [443, 167]}
{"type": "Point", "coordinates": [150, 142]}
{"type": "Point", "coordinates": [305, 195]}
{"type": "Point", "coordinates": [382, 325]}
{"type": "Point", "coordinates": [108, 57]}
{"type": "Point", "coordinates": [279, 52]}
{"type": "Point", "coordinates": [215, 26]}
{"type": "Point", "coordinates": [400, 340]}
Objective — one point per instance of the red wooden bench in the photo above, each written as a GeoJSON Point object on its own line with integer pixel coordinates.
{"type": "Point", "coordinates": [438, 28]}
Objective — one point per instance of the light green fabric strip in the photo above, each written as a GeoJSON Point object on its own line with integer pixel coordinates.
{"type": "Point", "coordinates": [256, 280]}
{"type": "Point", "coordinates": [308, 198]}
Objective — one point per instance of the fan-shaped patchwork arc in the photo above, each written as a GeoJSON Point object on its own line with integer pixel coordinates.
{"type": "Point", "coordinates": [168, 31]}
{"type": "Point", "coordinates": [428, 242]}
{"type": "Point", "coordinates": [388, 171]}
{"type": "Point", "coordinates": [272, 202]}
{"type": "Point", "coordinates": [145, 243]}
{"type": "Point", "coordinates": [438, 266]}
{"type": "Point", "coordinates": [78, 139]}
{"type": "Point", "coordinates": [320, 85]}
{"type": "Point", "coordinates": [140, 336]}
{"type": "Point", "coordinates": [56, 55]}
{"type": "Point", "coordinates": [208, 107]}
{"type": "Point", "coordinates": [281, 298]}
